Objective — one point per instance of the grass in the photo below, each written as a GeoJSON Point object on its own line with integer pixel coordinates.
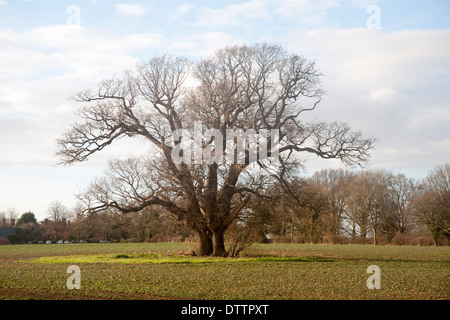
{"type": "Point", "coordinates": [158, 271]}
{"type": "Point", "coordinates": [146, 258]}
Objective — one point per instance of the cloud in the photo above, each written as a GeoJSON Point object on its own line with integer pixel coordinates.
{"type": "Point", "coordinates": [40, 69]}
{"type": "Point", "coordinates": [312, 13]}
{"type": "Point", "coordinates": [130, 9]}
{"type": "Point", "coordinates": [383, 94]}
{"type": "Point", "coordinates": [202, 44]}
{"type": "Point", "coordinates": [63, 48]}
{"type": "Point", "coordinates": [3, 3]}
{"type": "Point", "coordinates": [389, 85]}
{"type": "Point", "coordinates": [234, 15]}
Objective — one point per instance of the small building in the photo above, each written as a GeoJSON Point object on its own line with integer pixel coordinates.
{"type": "Point", "coordinates": [4, 233]}
{"type": "Point", "coordinates": [7, 231]}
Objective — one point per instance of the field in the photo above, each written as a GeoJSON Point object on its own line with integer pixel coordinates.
{"type": "Point", "coordinates": [265, 272]}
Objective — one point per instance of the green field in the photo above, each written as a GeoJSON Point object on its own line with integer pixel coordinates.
{"type": "Point", "coordinates": [269, 271]}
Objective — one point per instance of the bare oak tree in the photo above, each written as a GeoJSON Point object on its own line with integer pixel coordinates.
{"type": "Point", "coordinates": [259, 87]}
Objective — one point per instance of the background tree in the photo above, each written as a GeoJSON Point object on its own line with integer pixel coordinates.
{"type": "Point", "coordinates": [357, 213]}
{"type": "Point", "coordinates": [8, 216]}
{"type": "Point", "coordinates": [399, 218]}
{"type": "Point", "coordinates": [79, 223]}
{"type": "Point", "coordinates": [336, 183]}
{"type": "Point", "coordinates": [259, 87]}
{"type": "Point", "coordinates": [28, 228]}
{"type": "Point", "coordinates": [54, 226]}
{"type": "Point", "coordinates": [277, 219]}
{"type": "Point", "coordinates": [311, 203]}
{"type": "Point", "coordinates": [57, 211]}
{"type": "Point", "coordinates": [433, 207]}
{"type": "Point", "coordinates": [295, 211]}
{"type": "Point", "coordinates": [27, 217]}
{"type": "Point", "coordinates": [369, 200]}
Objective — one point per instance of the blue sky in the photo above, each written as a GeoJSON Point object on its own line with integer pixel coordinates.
{"type": "Point", "coordinates": [161, 15]}
{"type": "Point", "coordinates": [385, 64]}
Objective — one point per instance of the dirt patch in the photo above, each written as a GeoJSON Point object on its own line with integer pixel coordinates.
{"type": "Point", "coordinates": [24, 294]}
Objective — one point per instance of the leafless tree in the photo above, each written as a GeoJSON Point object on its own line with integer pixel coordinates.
{"type": "Point", "coordinates": [438, 179]}
{"type": "Point", "coordinates": [401, 192]}
{"type": "Point", "coordinates": [258, 87]}
{"type": "Point", "coordinates": [433, 206]}
{"type": "Point", "coordinates": [79, 227]}
{"type": "Point", "coordinates": [356, 214]}
{"type": "Point", "coordinates": [368, 199]}
{"type": "Point", "coordinates": [7, 217]}
{"type": "Point", "coordinates": [56, 212]}
{"type": "Point", "coordinates": [308, 202]}
{"type": "Point", "coordinates": [337, 183]}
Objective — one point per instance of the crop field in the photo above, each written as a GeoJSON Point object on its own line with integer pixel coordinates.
{"type": "Point", "coordinates": [263, 272]}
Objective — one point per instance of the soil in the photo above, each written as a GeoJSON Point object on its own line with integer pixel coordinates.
{"type": "Point", "coordinates": [24, 294]}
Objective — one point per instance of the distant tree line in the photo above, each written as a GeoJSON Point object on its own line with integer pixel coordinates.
{"type": "Point", "coordinates": [372, 206]}
{"type": "Point", "coordinates": [332, 206]}
{"type": "Point", "coordinates": [149, 225]}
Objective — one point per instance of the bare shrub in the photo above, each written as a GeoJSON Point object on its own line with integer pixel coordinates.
{"type": "Point", "coordinates": [239, 236]}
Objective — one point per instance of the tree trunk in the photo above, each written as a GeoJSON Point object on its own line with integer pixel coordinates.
{"type": "Point", "coordinates": [374, 223]}
{"type": "Point", "coordinates": [363, 231]}
{"type": "Point", "coordinates": [312, 228]}
{"type": "Point", "coordinates": [292, 232]}
{"type": "Point", "coordinates": [205, 243]}
{"type": "Point", "coordinates": [375, 239]}
{"type": "Point", "coordinates": [219, 244]}
{"type": "Point", "coordinates": [434, 236]}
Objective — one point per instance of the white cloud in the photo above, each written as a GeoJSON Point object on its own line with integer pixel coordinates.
{"type": "Point", "coordinates": [389, 85]}
{"type": "Point", "coordinates": [3, 3]}
{"type": "Point", "coordinates": [313, 13]}
{"type": "Point", "coordinates": [39, 70]}
{"type": "Point", "coordinates": [383, 94]}
{"type": "Point", "coordinates": [202, 44]}
{"type": "Point", "coordinates": [130, 9]}
{"type": "Point", "coordinates": [64, 47]}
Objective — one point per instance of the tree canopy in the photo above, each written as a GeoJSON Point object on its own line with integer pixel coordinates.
{"type": "Point", "coordinates": [245, 90]}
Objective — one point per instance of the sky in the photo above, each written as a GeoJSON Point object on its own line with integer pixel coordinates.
{"type": "Point", "coordinates": [386, 67]}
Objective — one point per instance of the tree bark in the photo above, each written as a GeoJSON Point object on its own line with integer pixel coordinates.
{"type": "Point", "coordinates": [219, 244]}
{"type": "Point", "coordinates": [205, 243]}
{"type": "Point", "coordinates": [375, 238]}
{"type": "Point", "coordinates": [312, 228]}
